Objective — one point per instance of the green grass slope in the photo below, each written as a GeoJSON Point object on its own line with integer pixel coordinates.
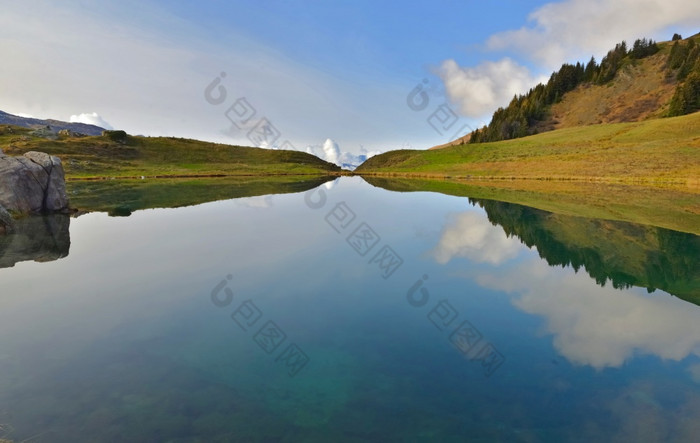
{"type": "Point", "coordinates": [653, 151]}
{"type": "Point", "coordinates": [102, 156]}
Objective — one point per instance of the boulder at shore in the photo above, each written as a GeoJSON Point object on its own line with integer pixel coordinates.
{"type": "Point", "coordinates": [7, 224]}
{"type": "Point", "coordinates": [32, 184]}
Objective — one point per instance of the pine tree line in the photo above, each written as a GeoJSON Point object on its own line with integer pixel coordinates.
{"type": "Point", "coordinates": [684, 58]}
{"type": "Point", "coordinates": [520, 117]}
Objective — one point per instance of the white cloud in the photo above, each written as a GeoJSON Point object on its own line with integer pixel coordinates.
{"type": "Point", "coordinates": [92, 118]}
{"type": "Point", "coordinates": [258, 202]}
{"type": "Point", "coordinates": [330, 152]}
{"type": "Point", "coordinates": [694, 371]}
{"type": "Point", "coordinates": [331, 184]}
{"type": "Point", "coordinates": [572, 29]}
{"type": "Point", "coordinates": [480, 90]}
{"type": "Point", "coordinates": [472, 236]}
{"type": "Point", "coordinates": [600, 327]}
{"type": "Point", "coordinates": [351, 160]}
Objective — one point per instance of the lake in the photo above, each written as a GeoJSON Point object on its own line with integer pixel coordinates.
{"type": "Point", "coordinates": [348, 312]}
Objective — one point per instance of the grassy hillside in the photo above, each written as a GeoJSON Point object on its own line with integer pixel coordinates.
{"type": "Point", "coordinates": [103, 156]}
{"type": "Point", "coordinates": [632, 83]}
{"type": "Point", "coordinates": [662, 151]}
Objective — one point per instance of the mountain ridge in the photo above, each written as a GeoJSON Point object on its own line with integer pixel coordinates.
{"type": "Point", "coordinates": [55, 125]}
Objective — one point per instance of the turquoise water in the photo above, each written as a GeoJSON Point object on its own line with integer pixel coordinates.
{"type": "Point", "coordinates": [351, 313]}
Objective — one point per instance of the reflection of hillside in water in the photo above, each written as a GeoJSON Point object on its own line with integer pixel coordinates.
{"type": "Point", "coordinates": [622, 254]}
{"type": "Point", "coordinates": [122, 197]}
{"type": "Point", "coordinates": [597, 322]}
{"type": "Point", "coordinates": [37, 238]}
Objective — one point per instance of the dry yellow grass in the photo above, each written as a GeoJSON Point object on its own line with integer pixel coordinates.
{"type": "Point", "coordinates": [657, 152]}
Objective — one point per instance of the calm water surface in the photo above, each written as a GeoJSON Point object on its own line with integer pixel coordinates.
{"type": "Point", "coordinates": [349, 313]}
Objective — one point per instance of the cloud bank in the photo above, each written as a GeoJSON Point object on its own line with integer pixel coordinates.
{"type": "Point", "coordinates": [330, 152]}
{"type": "Point", "coordinates": [92, 118]}
{"type": "Point", "coordinates": [580, 28]}
{"type": "Point", "coordinates": [480, 90]}
{"type": "Point", "coordinates": [147, 66]}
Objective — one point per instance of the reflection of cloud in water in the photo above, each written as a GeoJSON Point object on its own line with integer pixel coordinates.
{"type": "Point", "coordinates": [263, 201]}
{"type": "Point", "coordinates": [331, 184]}
{"type": "Point", "coordinates": [640, 414]}
{"type": "Point", "coordinates": [694, 371]}
{"type": "Point", "coordinates": [472, 236]}
{"type": "Point", "coordinates": [598, 326]}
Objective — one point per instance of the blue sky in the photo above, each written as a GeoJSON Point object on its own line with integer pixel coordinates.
{"type": "Point", "coordinates": [365, 38]}
{"type": "Point", "coordinates": [313, 70]}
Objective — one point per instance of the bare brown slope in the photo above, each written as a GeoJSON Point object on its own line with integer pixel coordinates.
{"type": "Point", "coordinates": [638, 92]}
{"type": "Point", "coordinates": [460, 141]}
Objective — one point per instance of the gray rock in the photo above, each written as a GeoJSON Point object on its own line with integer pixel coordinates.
{"type": "Point", "coordinates": [40, 158]}
{"type": "Point", "coordinates": [57, 197]}
{"type": "Point", "coordinates": [32, 184]}
{"type": "Point", "coordinates": [69, 133]}
{"type": "Point", "coordinates": [45, 132]}
{"type": "Point", "coordinates": [7, 223]}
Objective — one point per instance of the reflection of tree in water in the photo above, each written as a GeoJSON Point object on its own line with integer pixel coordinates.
{"type": "Point", "coordinates": [676, 260]}
{"type": "Point", "coordinates": [37, 238]}
{"type": "Point", "coordinates": [623, 253]}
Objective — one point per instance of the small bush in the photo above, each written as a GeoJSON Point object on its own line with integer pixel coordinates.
{"type": "Point", "coordinates": [116, 136]}
{"type": "Point", "coordinates": [120, 211]}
